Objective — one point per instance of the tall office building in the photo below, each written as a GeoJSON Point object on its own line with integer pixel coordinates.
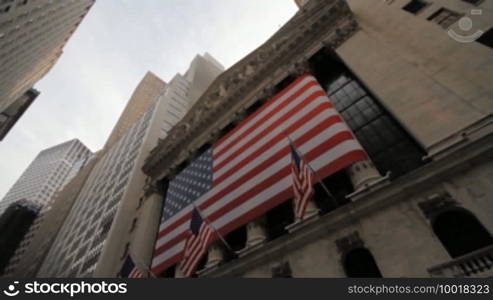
{"type": "Point", "coordinates": [301, 3]}
{"type": "Point", "coordinates": [53, 221]}
{"type": "Point", "coordinates": [92, 229]}
{"type": "Point", "coordinates": [45, 176]}
{"type": "Point", "coordinates": [416, 96]}
{"type": "Point", "coordinates": [32, 36]}
{"type": "Point", "coordinates": [142, 99]}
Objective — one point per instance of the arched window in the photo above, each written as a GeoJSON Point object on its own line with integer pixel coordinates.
{"type": "Point", "coordinates": [359, 263]}
{"type": "Point", "coordinates": [460, 232]}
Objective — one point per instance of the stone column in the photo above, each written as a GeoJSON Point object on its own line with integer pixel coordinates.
{"type": "Point", "coordinates": [256, 232]}
{"type": "Point", "coordinates": [362, 174]}
{"type": "Point", "coordinates": [215, 255]}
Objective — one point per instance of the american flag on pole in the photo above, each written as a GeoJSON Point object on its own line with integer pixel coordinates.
{"type": "Point", "coordinates": [130, 270]}
{"type": "Point", "coordinates": [248, 171]}
{"type": "Point", "coordinates": [302, 183]}
{"type": "Point", "coordinates": [201, 235]}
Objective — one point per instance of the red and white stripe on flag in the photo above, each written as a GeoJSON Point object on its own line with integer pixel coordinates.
{"type": "Point", "coordinates": [252, 164]}
{"type": "Point", "coordinates": [302, 187]}
{"type": "Point", "coordinates": [135, 273]}
{"type": "Point", "coordinates": [195, 248]}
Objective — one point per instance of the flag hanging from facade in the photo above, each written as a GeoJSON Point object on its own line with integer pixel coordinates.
{"type": "Point", "coordinates": [248, 171]}
{"type": "Point", "coordinates": [130, 270]}
{"type": "Point", "coordinates": [201, 235]}
{"type": "Point", "coordinates": [302, 183]}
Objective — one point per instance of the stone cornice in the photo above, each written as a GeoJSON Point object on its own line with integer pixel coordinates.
{"type": "Point", "coordinates": [320, 23]}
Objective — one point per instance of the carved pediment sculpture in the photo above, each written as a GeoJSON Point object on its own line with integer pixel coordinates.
{"type": "Point", "coordinates": [180, 131]}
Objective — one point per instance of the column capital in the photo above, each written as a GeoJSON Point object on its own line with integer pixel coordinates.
{"type": "Point", "coordinates": [363, 173]}
{"type": "Point", "coordinates": [256, 235]}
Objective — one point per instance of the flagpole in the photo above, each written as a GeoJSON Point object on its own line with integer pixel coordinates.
{"type": "Point", "coordinates": [332, 198]}
{"type": "Point", "coordinates": [214, 228]}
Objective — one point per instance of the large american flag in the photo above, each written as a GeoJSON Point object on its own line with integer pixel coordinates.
{"type": "Point", "coordinates": [248, 171]}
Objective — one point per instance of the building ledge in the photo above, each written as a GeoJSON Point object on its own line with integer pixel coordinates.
{"type": "Point", "coordinates": [460, 138]}
{"type": "Point", "coordinates": [370, 188]}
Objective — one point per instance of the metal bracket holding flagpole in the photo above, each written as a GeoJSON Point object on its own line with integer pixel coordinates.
{"type": "Point", "coordinates": [332, 198]}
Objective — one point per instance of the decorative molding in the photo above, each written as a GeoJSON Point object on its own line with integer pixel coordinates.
{"type": "Point", "coordinates": [322, 23]}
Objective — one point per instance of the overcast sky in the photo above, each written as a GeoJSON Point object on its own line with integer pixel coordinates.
{"type": "Point", "coordinates": [116, 44]}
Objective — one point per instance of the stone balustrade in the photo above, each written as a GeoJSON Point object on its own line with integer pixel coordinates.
{"type": "Point", "coordinates": [476, 264]}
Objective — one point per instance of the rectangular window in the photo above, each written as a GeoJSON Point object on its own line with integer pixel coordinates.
{"type": "Point", "coordinates": [387, 143]}
{"type": "Point", "coordinates": [415, 6]}
{"type": "Point", "coordinates": [445, 17]}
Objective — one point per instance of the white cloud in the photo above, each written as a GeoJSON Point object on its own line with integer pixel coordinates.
{"type": "Point", "coordinates": [118, 42]}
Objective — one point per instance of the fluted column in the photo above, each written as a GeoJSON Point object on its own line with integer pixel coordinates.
{"type": "Point", "coordinates": [256, 232]}
{"type": "Point", "coordinates": [215, 255]}
{"type": "Point", "coordinates": [362, 174]}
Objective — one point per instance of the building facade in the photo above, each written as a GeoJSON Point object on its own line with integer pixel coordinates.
{"type": "Point", "coordinates": [52, 222]}
{"type": "Point", "coordinates": [87, 242]}
{"type": "Point", "coordinates": [49, 172]}
{"type": "Point", "coordinates": [419, 101]}
{"type": "Point", "coordinates": [14, 223]}
{"type": "Point", "coordinates": [32, 37]}
{"type": "Point", "coordinates": [142, 100]}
